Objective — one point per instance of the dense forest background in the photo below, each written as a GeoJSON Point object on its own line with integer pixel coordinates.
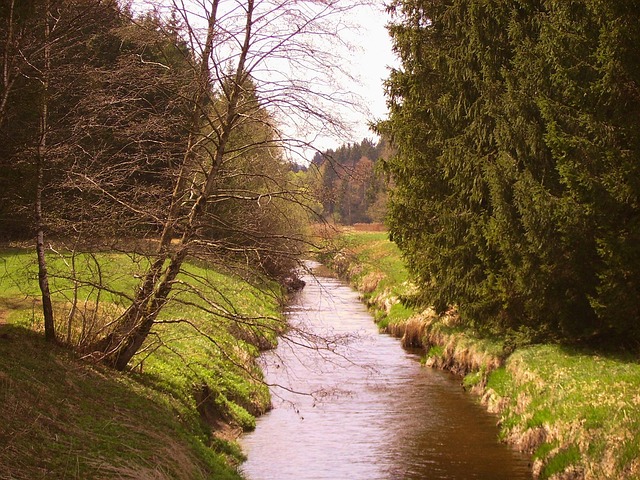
{"type": "Point", "coordinates": [509, 158]}
{"type": "Point", "coordinates": [517, 173]}
{"type": "Point", "coordinates": [348, 184]}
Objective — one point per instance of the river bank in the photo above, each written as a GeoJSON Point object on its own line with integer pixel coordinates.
{"type": "Point", "coordinates": [576, 412]}
{"type": "Point", "coordinates": [192, 389]}
{"type": "Point", "coordinates": [358, 406]}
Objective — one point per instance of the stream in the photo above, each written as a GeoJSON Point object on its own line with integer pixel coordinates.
{"type": "Point", "coordinates": [356, 405]}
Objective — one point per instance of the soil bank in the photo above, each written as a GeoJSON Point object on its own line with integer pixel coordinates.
{"type": "Point", "coordinates": [576, 412]}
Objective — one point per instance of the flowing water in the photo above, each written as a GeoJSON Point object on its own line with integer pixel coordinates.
{"type": "Point", "coordinates": [353, 404]}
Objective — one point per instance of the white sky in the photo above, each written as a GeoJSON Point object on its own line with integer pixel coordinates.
{"type": "Point", "coordinates": [370, 64]}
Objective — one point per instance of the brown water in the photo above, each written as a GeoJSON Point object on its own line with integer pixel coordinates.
{"type": "Point", "coordinates": [370, 410]}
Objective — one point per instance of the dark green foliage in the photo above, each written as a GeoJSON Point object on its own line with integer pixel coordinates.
{"type": "Point", "coordinates": [116, 110]}
{"type": "Point", "coordinates": [120, 106]}
{"type": "Point", "coordinates": [517, 173]}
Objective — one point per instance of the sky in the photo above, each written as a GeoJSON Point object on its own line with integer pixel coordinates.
{"type": "Point", "coordinates": [370, 61]}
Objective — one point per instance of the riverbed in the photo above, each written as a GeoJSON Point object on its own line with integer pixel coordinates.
{"type": "Point", "coordinates": [351, 403]}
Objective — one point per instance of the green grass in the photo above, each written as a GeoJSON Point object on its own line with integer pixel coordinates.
{"type": "Point", "coordinates": [585, 404]}
{"type": "Point", "coordinates": [560, 461]}
{"type": "Point", "coordinates": [472, 379]}
{"type": "Point", "coordinates": [499, 381]}
{"type": "Point", "coordinates": [435, 351]}
{"type": "Point", "coordinates": [588, 404]}
{"type": "Point", "coordinates": [65, 418]}
{"type": "Point", "coordinates": [376, 252]}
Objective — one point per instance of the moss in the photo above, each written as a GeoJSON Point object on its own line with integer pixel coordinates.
{"type": "Point", "coordinates": [561, 461]}
{"type": "Point", "coordinates": [472, 379]}
{"type": "Point", "coordinates": [499, 381]}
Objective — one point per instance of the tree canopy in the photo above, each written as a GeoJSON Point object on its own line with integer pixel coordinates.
{"type": "Point", "coordinates": [517, 167]}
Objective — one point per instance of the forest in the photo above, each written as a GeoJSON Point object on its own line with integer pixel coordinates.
{"type": "Point", "coordinates": [517, 172]}
{"type": "Point", "coordinates": [348, 184]}
{"type": "Point", "coordinates": [158, 133]}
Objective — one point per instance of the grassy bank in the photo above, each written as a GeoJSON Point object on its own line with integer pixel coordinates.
{"type": "Point", "coordinates": [577, 412]}
{"type": "Point", "coordinates": [194, 386]}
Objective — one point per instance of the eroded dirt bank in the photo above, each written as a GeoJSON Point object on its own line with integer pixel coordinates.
{"type": "Point", "coordinates": [575, 412]}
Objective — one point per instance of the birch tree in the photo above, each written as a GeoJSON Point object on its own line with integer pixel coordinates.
{"type": "Point", "coordinates": [38, 36]}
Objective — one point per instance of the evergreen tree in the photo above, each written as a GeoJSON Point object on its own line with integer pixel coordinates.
{"type": "Point", "coordinates": [516, 174]}
{"type": "Point", "coordinates": [594, 74]}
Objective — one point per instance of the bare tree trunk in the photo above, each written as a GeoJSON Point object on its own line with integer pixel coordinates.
{"type": "Point", "coordinates": [8, 77]}
{"type": "Point", "coordinates": [41, 154]}
{"type": "Point", "coordinates": [216, 114]}
{"type": "Point", "coordinates": [199, 100]}
{"type": "Point", "coordinates": [136, 323]}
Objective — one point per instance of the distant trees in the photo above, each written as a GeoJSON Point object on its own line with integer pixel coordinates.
{"type": "Point", "coordinates": [348, 185]}
{"type": "Point", "coordinates": [517, 173]}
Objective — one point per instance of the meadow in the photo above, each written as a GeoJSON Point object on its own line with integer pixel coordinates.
{"type": "Point", "coordinates": [190, 391]}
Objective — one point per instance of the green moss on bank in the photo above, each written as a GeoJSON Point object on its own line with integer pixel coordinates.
{"type": "Point", "coordinates": [194, 386]}
{"type": "Point", "coordinates": [577, 412]}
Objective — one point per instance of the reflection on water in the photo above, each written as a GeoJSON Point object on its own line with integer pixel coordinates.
{"type": "Point", "coordinates": [369, 410]}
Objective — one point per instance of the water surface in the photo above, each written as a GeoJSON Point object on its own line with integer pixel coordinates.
{"type": "Point", "coordinates": [364, 408]}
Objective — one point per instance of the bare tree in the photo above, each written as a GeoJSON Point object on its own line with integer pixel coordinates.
{"type": "Point", "coordinates": [281, 51]}
{"type": "Point", "coordinates": [34, 50]}
{"type": "Point", "coordinates": [41, 158]}
{"type": "Point", "coordinates": [9, 70]}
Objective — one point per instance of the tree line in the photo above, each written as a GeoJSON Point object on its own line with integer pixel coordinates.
{"type": "Point", "coordinates": [159, 133]}
{"type": "Point", "coordinates": [347, 183]}
{"type": "Point", "coordinates": [517, 173]}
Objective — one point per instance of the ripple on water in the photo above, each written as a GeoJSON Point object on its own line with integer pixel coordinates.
{"type": "Point", "coordinates": [371, 412]}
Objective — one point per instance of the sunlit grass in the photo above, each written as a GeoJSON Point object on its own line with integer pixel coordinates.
{"type": "Point", "coordinates": [588, 405]}
{"type": "Point", "coordinates": [64, 418]}
{"type": "Point", "coordinates": [375, 251]}
{"type": "Point", "coordinates": [374, 266]}
{"type": "Point", "coordinates": [576, 411]}
{"type": "Point", "coordinates": [205, 341]}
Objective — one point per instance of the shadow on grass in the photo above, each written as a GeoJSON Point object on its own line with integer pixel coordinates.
{"type": "Point", "coordinates": [64, 418]}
